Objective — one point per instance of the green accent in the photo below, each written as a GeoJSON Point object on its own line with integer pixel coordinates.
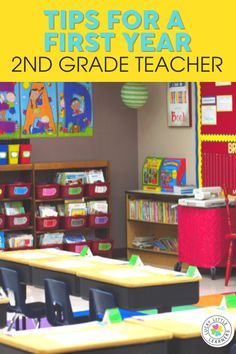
{"type": "Point", "coordinates": [150, 312]}
{"type": "Point", "coordinates": [133, 259]}
{"type": "Point", "coordinates": [104, 246]}
{"type": "Point", "coordinates": [84, 251]}
{"type": "Point", "coordinates": [230, 300]}
{"type": "Point", "coordinates": [113, 315]}
{"type": "Point", "coordinates": [174, 309]}
{"type": "Point", "coordinates": [191, 270]}
{"type": "Point", "coordinates": [74, 190]}
{"type": "Point", "coordinates": [184, 308]}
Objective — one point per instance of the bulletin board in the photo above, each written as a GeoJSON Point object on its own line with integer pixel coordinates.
{"type": "Point", "coordinates": [216, 134]}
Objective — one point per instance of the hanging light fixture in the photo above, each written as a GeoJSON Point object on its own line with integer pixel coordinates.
{"type": "Point", "coordinates": [134, 94]}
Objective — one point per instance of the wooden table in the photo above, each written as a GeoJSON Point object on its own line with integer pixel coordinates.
{"type": "Point", "coordinates": [186, 329]}
{"type": "Point", "coordinates": [90, 338]}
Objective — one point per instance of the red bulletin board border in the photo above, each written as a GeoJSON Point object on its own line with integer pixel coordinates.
{"type": "Point", "coordinates": [216, 150]}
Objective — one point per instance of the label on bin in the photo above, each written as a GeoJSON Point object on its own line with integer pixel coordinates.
{"type": "Point", "coordinates": [26, 154]}
{"type": "Point", "coordinates": [3, 155]}
{"type": "Point", "coordinates": [104, 246]}
{"type": "Point", "coordinates": [1, 191]}
{"type": "Point", "coordinates": [1, 221]}
{"type": "Point", "coordinates": [49, 192]}
{"type": "Point", "coordinates": [100, 189]}
{"type": "Point", "coordinates": [74, 190]}
{"type": "Point", "coordinates": [50, 223]}
{"type": "Point", "coordinates": [20, 190]}
{"type": "Point", "coordinates": [101, 220]}
{"type": "Point", "coordinates": [20, 221]}
{"type": "Point", "coordinates": [77, 222]}
{"type": "Point", "coordinates": [14, 154]}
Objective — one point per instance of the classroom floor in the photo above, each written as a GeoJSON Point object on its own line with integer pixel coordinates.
{"type": "Point", "coordinates": [207, 287]}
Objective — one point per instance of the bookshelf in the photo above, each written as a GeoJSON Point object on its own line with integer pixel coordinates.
{"type": "Point", "coordinates": [150, 214]}
{"type": "Point", "coordinates": [45, 173]}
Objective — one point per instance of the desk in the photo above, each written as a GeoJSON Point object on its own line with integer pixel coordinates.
{"type": "Point", "coordinates": [21, 260]}
{"type": "Point", "coordinates": [186, 329]}
{"type": "Point", "coordinates": [141, 287]}
{"type": "Point", "coordinates": [134, 287]}
{"type": "Point", "coordinates": [4, 301]}
{"type": "Point", "coordinates": [91, 338]}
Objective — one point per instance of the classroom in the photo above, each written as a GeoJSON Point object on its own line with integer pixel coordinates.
{"type": "Point", "coordinates": [117, 217]}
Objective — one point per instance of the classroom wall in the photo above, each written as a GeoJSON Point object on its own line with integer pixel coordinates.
{"type": "Point", "coordinates": [155, 138]}
{"type": "Point", "coordinates": [115, 139]}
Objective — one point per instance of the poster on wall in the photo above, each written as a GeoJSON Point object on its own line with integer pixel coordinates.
{"type": "Point", "coordinates": [179, 104]}
{"type": "Point", "coordinates": [38, 109]}
{"type": "Point", "coordinates": [75, 109]}
{"type": "Point", "coordinates": [9, 110]}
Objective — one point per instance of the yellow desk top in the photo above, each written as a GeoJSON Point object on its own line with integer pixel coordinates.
{"type": "Point", "coordinates": [26, 256]}
{"type": "Point", "coordinates": [82, 337]}
{"type": "Point", "coordinates": [68, 264]}
{"type": "Point", "coordinates": [182, 324]}
{"type": "Point", "coordinates": [72, 262]}
{"type": "Point", "coordinates": [4, 300]}
{"type": "Point", "coordinates": [133, 276]}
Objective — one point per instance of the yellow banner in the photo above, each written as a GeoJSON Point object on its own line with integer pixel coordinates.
{"type": "Point", "coordinates": [110, 40]}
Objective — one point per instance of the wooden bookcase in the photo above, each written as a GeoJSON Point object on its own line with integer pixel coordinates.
{"type": "Point", "coordinates": [139, 225]}
{"type": "Point", "coordinates": [45, 173]}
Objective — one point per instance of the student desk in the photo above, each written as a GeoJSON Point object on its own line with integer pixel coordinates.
{"type": "Point", "coordinates": [21, 260]}
{"type": "Point", "coordinates": [141, 287]}
{"type": "Point", "coordinates": [134, 287]}
{"type": "Point", "coordinates": [64, 269]}
{"type": "Point", "coordinates": [3, 311]}
{"type": "Point", "coordinates": [186, 329]}
{"type": "Point", "coordinates": [90, 338]}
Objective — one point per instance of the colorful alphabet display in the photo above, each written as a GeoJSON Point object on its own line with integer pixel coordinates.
{"type": "Point", "coordinates": [45, 109]}
{"type": "Point", "coordinates": [9, 110]}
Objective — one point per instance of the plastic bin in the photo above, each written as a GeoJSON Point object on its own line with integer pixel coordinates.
{"type": "Point", "coordinates": [18, 190]}
{"type": "Point", "coordinates": [98, 189]}
{"type": "Point", "coordinates": [73, 191]}
{"type": "Point", "coordinates": [77, 246]}
{"type": "Point", "coordinates": [20, 221]}
{"type": "Point", "coordinates": [98, 220]}
{"type": "Point", "coordinates": [73, 222]}
{"type": "Point", "coordinates": [13, 154]}
{"type": "Point", "coordinates": [47, 191]}
{"type": "Point", "coordinates": [3, 154]}
{"type": "Point", "coordinates": [102, 247]}
{"type": "Point", "coordinates": [25, 152]}
{"type": "Point", "coordinates": [2, 221]}
{"type": "Point", "coordinates": [48, 223]}
{"type": "Point", "coordinates": [2, 190]}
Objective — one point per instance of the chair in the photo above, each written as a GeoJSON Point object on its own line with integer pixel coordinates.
{"type": "Point", "coordinates": [231, 237]}
{"type": "Point", "coordinates": [99, 302]}
{"type": "Point", "coordinates": [58, 306]}
{"type": "Point", "coordinates": [18, 305]}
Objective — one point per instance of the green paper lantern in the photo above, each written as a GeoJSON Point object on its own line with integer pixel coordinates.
{"type": "Point", "coordinates": [134, 94]}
